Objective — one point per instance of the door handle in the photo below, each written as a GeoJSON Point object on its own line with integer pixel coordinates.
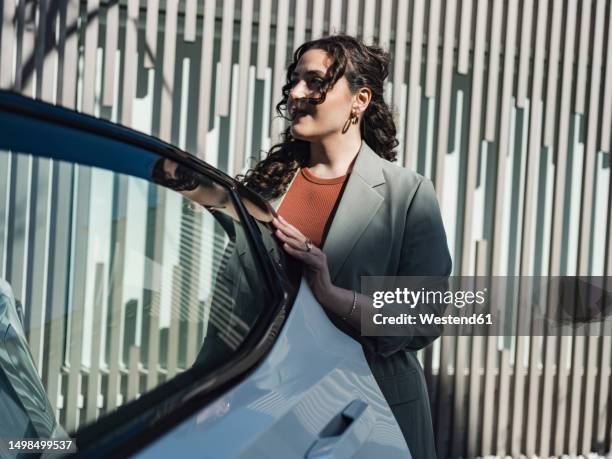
{"type": "Point", "coordinates": [335, 439]}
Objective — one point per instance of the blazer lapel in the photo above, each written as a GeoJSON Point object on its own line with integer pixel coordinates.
{"type": "Point", "coordinates": [357, 207]}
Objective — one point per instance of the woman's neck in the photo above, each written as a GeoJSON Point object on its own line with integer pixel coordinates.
{"type": "Point", "coordinates": [333, 158]}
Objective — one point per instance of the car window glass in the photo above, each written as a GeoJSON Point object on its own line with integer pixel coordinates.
{"type": "Point", "coordinates": [125, 283]}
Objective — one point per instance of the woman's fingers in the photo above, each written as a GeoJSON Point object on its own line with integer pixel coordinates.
{"type": "Point", "coordinates": [308, 258]}
{"type": "Point", "coordinates": [297, 253]}
{"type": "Point", "coordinates": [295, 243]}
{"type": "Point", "coordinates": [280, 226]}
{"type": "Point", "coordinates": [289, 229]}
{"type": "Point", "coordinates": [293, 231]}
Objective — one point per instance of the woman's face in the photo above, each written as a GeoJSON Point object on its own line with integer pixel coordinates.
{"type": "Point", "coordinates": [315, 121]}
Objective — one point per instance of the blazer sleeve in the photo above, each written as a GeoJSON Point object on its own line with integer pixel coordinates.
{"type": "Point", "coordinates": [424, 252]}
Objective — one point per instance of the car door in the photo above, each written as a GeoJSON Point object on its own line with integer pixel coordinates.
{"type": "Point", "coordinates": [161, 314]}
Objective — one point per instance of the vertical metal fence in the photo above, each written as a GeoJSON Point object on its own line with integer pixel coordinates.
{"type": "Point", "coordinates": [505, 104]}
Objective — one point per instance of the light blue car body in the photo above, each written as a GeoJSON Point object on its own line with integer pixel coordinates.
{"type": "Point", "coordinates": [313, 373]}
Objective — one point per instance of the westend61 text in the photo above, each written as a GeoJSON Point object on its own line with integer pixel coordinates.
{"type": "Point", "coordinates": [433, 319]}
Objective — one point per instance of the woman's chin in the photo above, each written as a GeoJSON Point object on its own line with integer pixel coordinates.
{"type": "Point", "coordinates": [298, 133]}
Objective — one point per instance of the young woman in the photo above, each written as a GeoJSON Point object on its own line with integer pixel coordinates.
{"type": "Point", "coordinates": [346, 211]}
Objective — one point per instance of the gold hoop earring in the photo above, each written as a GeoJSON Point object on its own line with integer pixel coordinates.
{"type": "Point", "coordinates": [353, 119]}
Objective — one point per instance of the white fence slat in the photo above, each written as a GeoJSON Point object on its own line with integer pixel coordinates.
{"type": "Point", "coordinates": [110, 53]}
{"type": "Point", "coordinates": [524, 53]}
{"type": "Point", "coordinates": [263, 38]}
{"type": "Point", "coordinates": [465, 36]}
{"type": "Point", "coordinates": [227, 41]}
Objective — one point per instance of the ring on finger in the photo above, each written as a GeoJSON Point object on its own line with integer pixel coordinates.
{"type": "Point", "coordinates": [308, 245]}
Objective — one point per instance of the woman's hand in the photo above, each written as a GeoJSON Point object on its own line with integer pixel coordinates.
{"type": "Point", "coordinates": [342, 302]}
{"type": "Point", "coordinates": [316, 270]}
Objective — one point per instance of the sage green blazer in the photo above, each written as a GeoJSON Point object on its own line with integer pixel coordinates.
{"type": "Point", "coordinates": [388, 223]}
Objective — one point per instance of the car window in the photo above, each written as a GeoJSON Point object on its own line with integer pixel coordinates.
{"type": "Point", "coordinates": [125, 284]}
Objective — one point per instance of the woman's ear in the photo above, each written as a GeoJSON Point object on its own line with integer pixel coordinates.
{"type": "Point", "coordinates": [362, 99]}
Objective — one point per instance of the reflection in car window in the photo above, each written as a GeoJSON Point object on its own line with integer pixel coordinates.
{"type": "Point", "coordinates": [126, 283]}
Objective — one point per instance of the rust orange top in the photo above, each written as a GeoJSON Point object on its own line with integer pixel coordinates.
{"type": "Point", "coordinates": [310, 202]}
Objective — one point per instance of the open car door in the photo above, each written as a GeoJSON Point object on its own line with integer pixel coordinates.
{"type": "Point", "coordinates": [161, 315]}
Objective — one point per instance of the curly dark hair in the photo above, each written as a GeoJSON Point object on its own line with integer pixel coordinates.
{"type": "Point", "coordinates": [363, 65]}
